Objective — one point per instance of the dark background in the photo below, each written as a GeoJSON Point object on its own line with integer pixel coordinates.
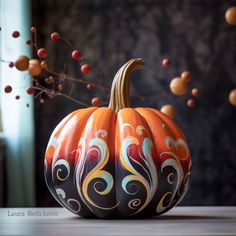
{"type": "Point", "coordinates": [193, 33]}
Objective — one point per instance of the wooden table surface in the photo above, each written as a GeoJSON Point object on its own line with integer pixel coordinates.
{"type": "Point", "coordinates": [178, 221]}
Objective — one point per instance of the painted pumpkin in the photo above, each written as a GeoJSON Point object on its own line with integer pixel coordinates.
{"type": "Point", "coordinates": [118, 161]}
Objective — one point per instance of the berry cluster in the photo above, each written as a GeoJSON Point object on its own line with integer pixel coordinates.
{"type": "Point", "coordinates": [179, 86]}
{"type": "Point", "coordinates": [48, 83]}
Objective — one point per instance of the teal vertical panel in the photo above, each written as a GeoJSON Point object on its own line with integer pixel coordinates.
{"type": "Point", "coordinates": [17, 118]}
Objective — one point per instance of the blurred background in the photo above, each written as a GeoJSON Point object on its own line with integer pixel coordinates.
{"type": "Point", "coordinates": [192, 33]}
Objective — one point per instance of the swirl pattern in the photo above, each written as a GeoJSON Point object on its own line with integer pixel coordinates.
{"type": "Point", "coordinates": [147, 165]}
{"type": "Point", "coordinates": [97, 173]}
{"type": "Point", "coordinates": [140, 180]}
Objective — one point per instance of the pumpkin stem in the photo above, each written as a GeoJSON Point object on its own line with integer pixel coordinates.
{"type": "Point", "coordinates": [119, 98]}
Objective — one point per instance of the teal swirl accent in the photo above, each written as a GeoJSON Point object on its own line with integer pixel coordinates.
{"type": "Point", "coordinates": [149, 167]}
{"type": "Point", "coordinates": [97, 172]}
{"type": "Point", "coordinates": [125, 182]}
{"type": "Point", "coordinates": [147, 151]}
{"type": "Point", "coordinates": [107, 177]}
{"type": "Point", "coordinates": [60, 171]}
{"type": "Point", "coordinates": [61, 193]}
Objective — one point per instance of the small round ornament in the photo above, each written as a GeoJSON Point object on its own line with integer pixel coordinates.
{"type": "Point", "coordinates": [179, 87]}
{"type": "Point", "coordinates": [191, 103]}
{"type": "Point", "coordinates": [44, 64]}
{"type": "Point", "coordinates": [96, 102]}
{"type": "Point", "coordinates": [169, 110]}
{"type": "Point", "coordinates": [230, 15]}
{"type": "Point", "coordinates": [195, 92]}
{"type": "Point", "coordinates": [22, 63]}
{"type": "Point", "coordinates": [15, 34]}
{"type": "Point", "coordinates": [186, 75]}
{"type": "Point", "coordinates": [85, 69]}
{"type": "Point", "coordinates": [42, 53]}
{"type": "Point", "coordinates": [55, 36]}
{"type": "Point", "coordinates": [33, 29]}
{"type": "Point", "coordinates": [232, 97]}
{"type": "Point", "coordinates": [8, 89]}
{"type": "Point", "coordinates": [76, 54]}
{"type": "Point", "coordinates": [35, 68]}
{"type": "Point", "coordinates": [30, 90]}
{"type": "Point", "coordinates": [89, 86]}
{"type": "Point", "coordinates": [166, 62]}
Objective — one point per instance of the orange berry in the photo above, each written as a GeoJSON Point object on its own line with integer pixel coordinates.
{"type": "Point", "coordinates": [44, 64]}
{"type": "Point", "coordinates": [230, 15]}
{"type": "Point", "coordinates": [186, 75]}
{"type": "Point", "coordinates": [60, 86]}
{"type": "Point", "coordinates": [22, 63]}
{"type": "Point", "coordinates": [232, 97]}
{"type": "Point", "coordinates": [178, 86]}
{"type": "Point", "coordinates": [195, 92]}
{"type": "Point", "coordinates": [35, 68]}
{"type": "Point", "coordinates": [33, 29]}
{"type": "Point", "coordinates": [169, 110]}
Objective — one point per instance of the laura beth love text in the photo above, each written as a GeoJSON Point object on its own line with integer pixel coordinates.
{"type": "Point", "coordinates": [31, 213]}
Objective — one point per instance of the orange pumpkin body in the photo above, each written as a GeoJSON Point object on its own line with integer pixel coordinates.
{"type": "Point", "coordinates": [104, 162]}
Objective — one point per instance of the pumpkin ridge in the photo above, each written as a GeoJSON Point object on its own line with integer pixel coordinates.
{"type": "Point", "coordinates": [154, 153]}
{"type": "Point", "coordinates": [185, 164]}
{"type": "Point", "coordinates": [140, 111]}
{"type": "Point", "coordinates": [175, 195]}
{"type": "Point", "coordinates": [97, 132]}
{"type": "Point", "coordinates": [175, 133]}
{"type": "Point", "coordinates": [166, 119]}
{"type": "Point", "coordinates": [140, 168]}
{"type": "Point", "coordinates": [57, 135]}
{"type": "Point", "coordinates": [50, 164]}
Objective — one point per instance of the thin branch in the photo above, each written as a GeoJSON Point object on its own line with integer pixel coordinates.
{"type": "Point", "coordinates": [72, 99]}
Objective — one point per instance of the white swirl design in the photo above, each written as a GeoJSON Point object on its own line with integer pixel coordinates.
{"type": "Point", "coordinates": [172, 144]}
{"type": "Point", "coordinates": [135, 176]}
{"type": "Point", "coordinates": [59, 170]}
{"type": "Point", "coordinates": [134, 203]}
{"type": "Point", "coordinates": [71, 202]}
{"type": "Point", "coordinates": [175, 164]}
{"type": "Point", "coordinates": [96, 173]}
{"type": "Point", "coordinates": [61, 193]}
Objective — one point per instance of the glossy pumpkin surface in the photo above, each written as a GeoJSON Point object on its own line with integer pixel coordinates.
{"type": "Point", "coordinates": [118, 161]}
